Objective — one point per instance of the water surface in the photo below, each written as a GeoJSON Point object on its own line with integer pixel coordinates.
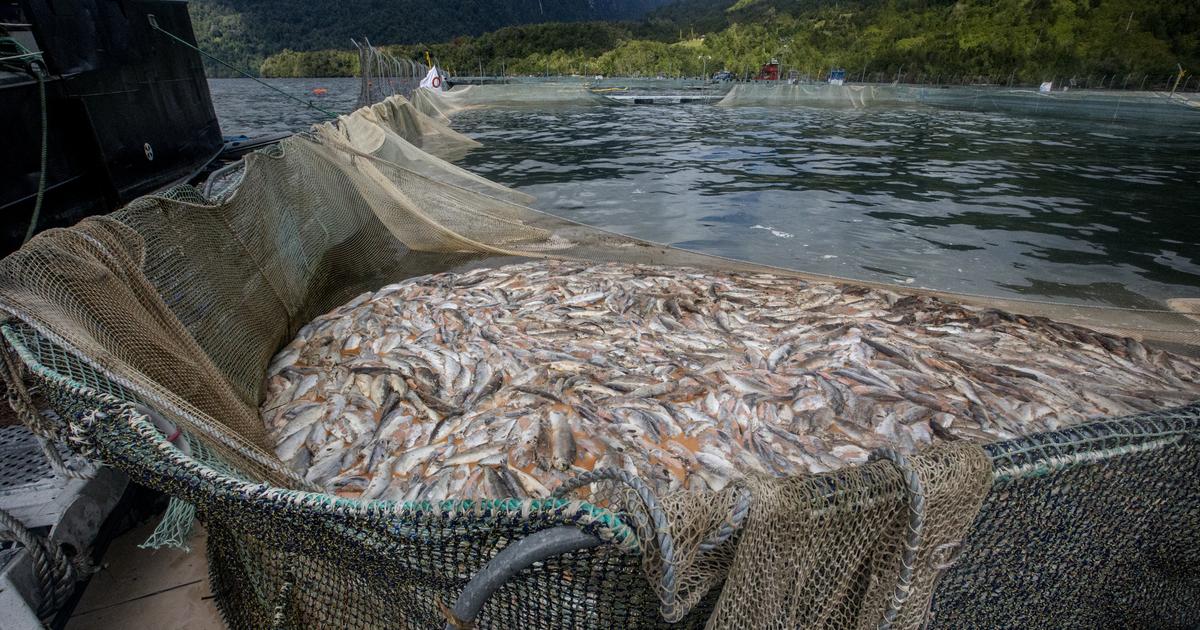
{"type": "Point", "coordinates": [988, 203]}
{"type": "Point", "coordinates": [963, 201]}
{"type": "Point", "coordinates": [246, 107]}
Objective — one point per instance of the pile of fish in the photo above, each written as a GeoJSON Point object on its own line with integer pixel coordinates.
{"type": "Point", "coordinates": [505, 382]}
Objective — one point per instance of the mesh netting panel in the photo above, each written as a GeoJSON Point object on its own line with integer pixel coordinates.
{"type": "Point", "coordinates": [1097, 526]}
{"type": "Point", "coordinates": [772, 94]}
{"type": "Point", "coordinates": [282, 558]}
{"type": "Point", "coordinates": [1136, 107]}
{"type": "Point", "coordinates": [441, 105]}
{"type": "Point", "coordinates": [407, 589]}
{"type": "Point", "coordinates": [1109, 106]}
{"type": "Point", "coordinates": [400, 117]}
{"type": "Point", "coordinates": [1085, 525]}
{"type": "Point", "coordinates": [370, 131]}
{"type": "Point", "coordinates": [84, 286]}
{"type": "Point", "coordinates": [833, 545]}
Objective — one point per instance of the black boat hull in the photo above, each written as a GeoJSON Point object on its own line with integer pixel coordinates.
{"type": "Point", "coordinates": [128, 111]}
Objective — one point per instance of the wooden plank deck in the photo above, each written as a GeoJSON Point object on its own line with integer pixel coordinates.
{"type": "Point", "coordinates": [143, 588]}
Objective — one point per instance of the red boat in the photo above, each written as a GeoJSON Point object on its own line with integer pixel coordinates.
{"type": "Point", "coordinates": [769, 71]}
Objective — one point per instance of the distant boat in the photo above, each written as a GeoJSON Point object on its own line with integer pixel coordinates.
{"type": "Point", "coordinates": [769, 71]}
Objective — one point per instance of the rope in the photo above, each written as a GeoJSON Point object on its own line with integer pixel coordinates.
{"type": "Point", "coordinates": [61, 467]}
{"type": "Point", "coordinates": [21, 57]}
{"type": "Point", "coordinates": [155, 26]}
{"type": "Point", "coordinates": [36, 67]}
{"type": "Point", "coordinates": [912, 539]}
{"type": "Point", "coordinates": [666, 545]}
{"type": "Point", "coordinates": [36, 70]}
{"type": "Point", "coordinates": [22, 404]}
{"type": "Point", "coordinates": [741, 508]}
{"type": "Point", "coordinates": [661, 523]}
{"type": "Point", "coordinates": [283, 601]}
{"type": "Point", "coordinates": [54, 573]}
{"type": "Point", "coordinates": [18, 396]}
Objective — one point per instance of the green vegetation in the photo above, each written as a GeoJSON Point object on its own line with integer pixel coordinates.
{"type": "Point", "coordinates": [533, 49]}
{"type": "Point", "coordinates": [246, 32]}
{"type": "Point", "coordinates": [1024, 41]}
{"type": "Point", "coordinates": [316, 63]}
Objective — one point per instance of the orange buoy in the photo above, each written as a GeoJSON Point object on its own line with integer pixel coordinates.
{"type": "Point", "coordinates": [320, 91]}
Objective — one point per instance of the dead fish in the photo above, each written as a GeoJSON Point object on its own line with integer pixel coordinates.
{"type": "Point", "coordinates": [507, 382]}
{"type": "Point", "coordinates": [562, 441]}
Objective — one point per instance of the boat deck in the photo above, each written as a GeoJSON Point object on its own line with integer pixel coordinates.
{"type": "Point", "coordinates": [143, 588]}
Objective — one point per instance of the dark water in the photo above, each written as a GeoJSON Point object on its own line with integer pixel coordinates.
{"type": "Point", "coordinates": [245, 107]}
{"type": "Point", "coordinates": [964, 201]}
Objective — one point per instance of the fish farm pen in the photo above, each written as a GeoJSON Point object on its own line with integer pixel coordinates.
{"type": "Point", "coordinates": [398, 396]}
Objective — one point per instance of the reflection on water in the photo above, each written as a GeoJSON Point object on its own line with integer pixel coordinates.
{"type": "Point", "coordinates": [961, 201]}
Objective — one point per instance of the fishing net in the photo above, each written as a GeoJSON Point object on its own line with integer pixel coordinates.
{"type": "Point", "coordinates": [383, 131]}
{"type": "Point", "coordinates": [1131, 107]}
{"type": "Point", "coordinates": [149, 331]}
{"type": "Point", "coordinates": [441, 105]}
{"type": "Point", "coordinates": [1134, 107]}
{"type": "Point", "coordinates": [775, 93]}
{"type": "Point", "coordinates": [797, 563]}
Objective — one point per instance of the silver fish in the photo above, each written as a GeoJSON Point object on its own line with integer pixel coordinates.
{"type": "Point", "coordinates": [507, 382]}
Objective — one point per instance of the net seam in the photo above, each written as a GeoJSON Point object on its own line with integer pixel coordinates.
{"type": "Point", "coordinates": [1056, 463]}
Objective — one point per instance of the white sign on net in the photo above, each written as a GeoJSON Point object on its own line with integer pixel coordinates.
{"type": "Point", "coordinates": [434, 80]}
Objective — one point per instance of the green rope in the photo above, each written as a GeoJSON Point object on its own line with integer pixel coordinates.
{"type": "Point", "coordinates": [36, 70]}
{"type": "Point", "coordinates": [174, 529]}
{"type": "Point", "coordinates": [155, 26]}
{"type": "Point", "coordinates": [35, 66]}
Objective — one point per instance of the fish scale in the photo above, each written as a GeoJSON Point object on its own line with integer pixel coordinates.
{"type": "Point", "coordinates": [509, 381]}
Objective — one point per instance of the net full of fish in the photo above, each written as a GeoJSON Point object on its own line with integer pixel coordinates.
{"type": "Point", "coordinates": [505, 382]}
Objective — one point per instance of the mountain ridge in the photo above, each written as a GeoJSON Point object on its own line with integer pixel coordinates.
{"type": "Point", "coordinates": [1100, 42]}
{"type": "Point", "coordinates": [245, 32]}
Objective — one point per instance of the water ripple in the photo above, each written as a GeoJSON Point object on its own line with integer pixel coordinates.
{"type": "Point", "coordinates": [950, 200]}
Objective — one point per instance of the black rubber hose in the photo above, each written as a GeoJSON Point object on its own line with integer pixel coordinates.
{"type": "Point", "coordinates": [37, 72]}
{"type": "Point", "coordinates": [516, 557]}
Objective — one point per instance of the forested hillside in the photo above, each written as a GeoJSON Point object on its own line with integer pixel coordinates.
{"type": "Point", "coordinates": [1008, 40]}
{"type": "Point", "coordinates": [245, 32]}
